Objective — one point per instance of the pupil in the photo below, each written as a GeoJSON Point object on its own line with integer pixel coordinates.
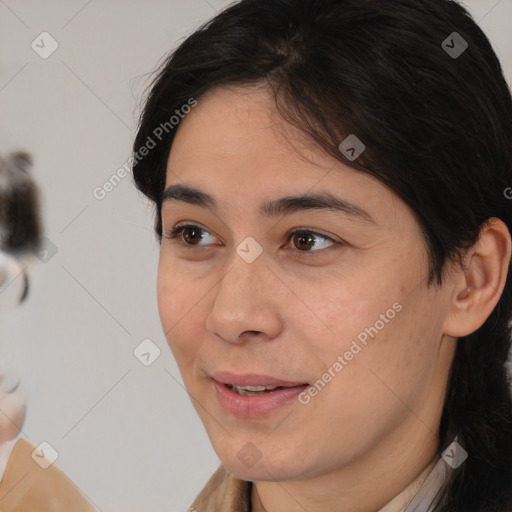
{"type": "Point", "coordinates": [187, 230]}
{"type": "Point", "coordinates": [306, 237]}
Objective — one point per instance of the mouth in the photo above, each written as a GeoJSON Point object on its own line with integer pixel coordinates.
{"type": "Point", "coordinates": [254, 390]}
{"type": "Point", "coordinates": [253, 380]}
{"type": "Point", "coordinates": [253, 396]}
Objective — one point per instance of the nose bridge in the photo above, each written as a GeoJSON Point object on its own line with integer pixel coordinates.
{"type": "Point", "coordinates": [244, 298]}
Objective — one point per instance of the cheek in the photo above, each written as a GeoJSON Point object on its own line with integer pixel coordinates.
{"type": "Point", "coordinates": [179, 301]}
{"type": "Point", "coordinates": [385, 335]}
{"type": "Point", "coordinates": [168, 296]}
{"type": "Point", "coordinates": [178, 291]}
{"type": "Point", "coordinates": [393, 367]}
{"type": "Point", "coordinates": [352, 311]}
{"type": "Point", "coordinates": [374, 310]}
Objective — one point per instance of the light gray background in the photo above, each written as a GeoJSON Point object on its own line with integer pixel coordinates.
{"type": "Point", "coordinates": [126, 434]}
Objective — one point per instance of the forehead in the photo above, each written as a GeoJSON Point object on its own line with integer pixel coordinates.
{"type": "Point", "coordinates": [236, 146]}
{"type": "Point", "coordinates": [236, 121]}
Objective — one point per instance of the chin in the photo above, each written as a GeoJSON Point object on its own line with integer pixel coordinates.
{"type": "Point", "coordinates": [260, 469]}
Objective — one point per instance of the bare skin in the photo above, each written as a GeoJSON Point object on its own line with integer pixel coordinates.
{"type": "Point", "coordinates": [374, 427]}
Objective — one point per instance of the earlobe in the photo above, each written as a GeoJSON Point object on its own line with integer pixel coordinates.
{"type": "Point", "coordinates": [477, 287]}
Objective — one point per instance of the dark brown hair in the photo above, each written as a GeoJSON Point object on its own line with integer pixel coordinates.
{"type": "Point", "coordinates": [438, 132]}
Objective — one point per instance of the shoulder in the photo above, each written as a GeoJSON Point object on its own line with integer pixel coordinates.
{"type": "Point", "coordinates": [223, 492]}
{"type": "Point", "coordinates": [28, 485]}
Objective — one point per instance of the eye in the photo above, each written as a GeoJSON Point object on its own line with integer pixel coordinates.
{"type": "Point", "coordinates": [179, 230]}
{"type": "Point", "coordinates": [187, 234]}
{"type": "Point", "coordinates": [305, 237]}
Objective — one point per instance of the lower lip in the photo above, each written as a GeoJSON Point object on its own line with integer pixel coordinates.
{"type": "Point", "coordinates": [255, 406]}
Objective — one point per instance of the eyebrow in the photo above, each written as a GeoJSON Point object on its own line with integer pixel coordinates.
{"type": "Point", "coordinates": [274, 208]}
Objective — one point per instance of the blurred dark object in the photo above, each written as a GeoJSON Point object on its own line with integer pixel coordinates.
{"type": "Point", "coordinates": [20, 224]}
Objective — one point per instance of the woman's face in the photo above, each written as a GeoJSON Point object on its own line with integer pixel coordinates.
{"type": "Point", "coordinates": [338, 314]}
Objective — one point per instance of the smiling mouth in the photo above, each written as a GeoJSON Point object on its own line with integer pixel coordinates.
{"type": "Point", "coordinates": [253, 390]}
{"type": "Point", "coordinates": [254, 396]}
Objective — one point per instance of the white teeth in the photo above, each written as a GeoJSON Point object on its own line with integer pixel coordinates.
{"type": "Point", "coordinates": [257, 388]}
{"type": "Point", "coordinates": [252, 390]}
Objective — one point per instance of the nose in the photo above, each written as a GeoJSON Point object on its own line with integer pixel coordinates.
{"type": "Point", "coordinates": [248, 303]}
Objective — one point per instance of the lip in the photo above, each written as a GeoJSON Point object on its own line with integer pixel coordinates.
{"type": "Point", "coordinates": [252, 380]}
{"type": "Point", "coordinates": [256, 406]}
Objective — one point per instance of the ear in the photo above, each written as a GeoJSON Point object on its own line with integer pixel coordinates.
{"type": "Point", "coordinates": [478, 286]}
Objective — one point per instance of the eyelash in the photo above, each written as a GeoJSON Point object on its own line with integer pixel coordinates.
{"type": "Point", "coordinates": [175, 232]}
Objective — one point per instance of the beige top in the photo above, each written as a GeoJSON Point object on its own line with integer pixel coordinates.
{"type": "Point", "coordinates": [225, 493]}
{"type": "Point", "coordinates": [27, 487]}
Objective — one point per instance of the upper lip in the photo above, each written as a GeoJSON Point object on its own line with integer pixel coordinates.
{"type": "Point", "coordinates": [252, 380]}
